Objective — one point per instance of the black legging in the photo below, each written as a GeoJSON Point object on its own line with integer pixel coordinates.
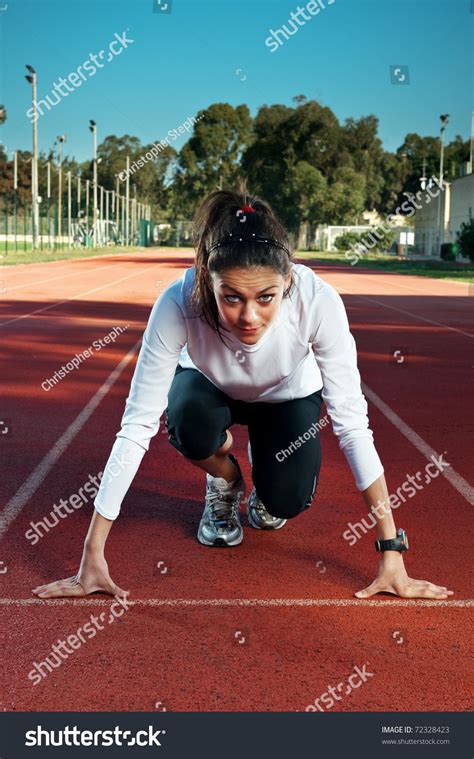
{"type": "Point", "coordinates": [198, 415]}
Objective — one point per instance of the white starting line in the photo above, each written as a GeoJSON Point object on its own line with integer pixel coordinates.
{"type": "Point", "coordinates": [260, 602]}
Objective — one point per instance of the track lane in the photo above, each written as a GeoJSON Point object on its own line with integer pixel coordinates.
{"type": "Point", "coordinates": [199, 662]}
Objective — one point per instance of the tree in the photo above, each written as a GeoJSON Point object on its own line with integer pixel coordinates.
{"type": "Point", "coordinates": [306, 191]}
{"type": "Point", "coordinates": [211, 157]}
{"type": "Point", "coordinates": [419, 155]}
{"type": "Point", "coordinates": [346, 197]}
{"type": "Point", "coordinates": [456, 153]}
{"type": "Point", "coordinates": [112, 156]}
{"type": "Point", "coordinates": [465, 239]}
{"type": "Point", "coordinates": [393, 170]}
{"type": "Point", "coordinates": [263, 162]}
{"type": "Point", "coordinates": [291, 147]}
{"type": "Point", "coordinates": [24, 178]}
{"type": "Point", "coordinates": [149, 179]}
{"type": "Point", "coordinates": [362, 150]}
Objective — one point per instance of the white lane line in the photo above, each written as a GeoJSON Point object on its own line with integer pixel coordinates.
{"type": "Point", "coordinates": [52, 279]}
{"type": "Point", "coordinates": [31, 485]}
{"type": "Point", "coordinates": [75, 297]}
{"type": "Point", "coordinates": [458, 482]}
{"type": "Point", "coordinates": [205, 602]}
{"type": "Point", "coordinates": [402, 311]}
{"type": "Point", "coordinates": [386, 281]}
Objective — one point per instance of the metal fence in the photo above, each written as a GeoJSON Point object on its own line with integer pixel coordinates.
{"type": "Point", "coordinates": [70, 217]}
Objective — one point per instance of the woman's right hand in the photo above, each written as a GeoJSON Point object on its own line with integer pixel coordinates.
{"type": "Point", "coordinates": [93, 576]}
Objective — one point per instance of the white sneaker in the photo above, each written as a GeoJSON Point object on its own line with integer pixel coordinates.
{"type": "Point", "coordinates": [257, 514]}
{"type": "Point", "coordinates": [220, 522]}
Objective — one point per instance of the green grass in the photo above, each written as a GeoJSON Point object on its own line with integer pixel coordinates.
{"type": "Point", "coordinates": [436, 269]}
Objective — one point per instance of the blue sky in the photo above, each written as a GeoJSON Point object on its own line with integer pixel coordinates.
{"type": "Point", "coordinates": [208, 51]}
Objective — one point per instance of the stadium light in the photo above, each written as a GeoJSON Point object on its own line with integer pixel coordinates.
{"type": "Point", "coordinates": [61, 139]}
{"type": "Point", "coordinates": [31, 79]}
{"type": "Point", "coordinates": [93, 129]}
{"type": "Point", "coordinates": [444, 118]}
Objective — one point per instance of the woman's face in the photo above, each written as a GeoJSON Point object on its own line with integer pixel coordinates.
{"type": "Point", "coordinates": [248, 299]}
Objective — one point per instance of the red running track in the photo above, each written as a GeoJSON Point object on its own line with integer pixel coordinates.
{"type": "Point", "coordinates": [268, 626]}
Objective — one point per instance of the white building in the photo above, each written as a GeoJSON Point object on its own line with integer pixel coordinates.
{"type": "Point", "coordinates": [325, 235]}
{"type": "Point", "coordinates": [461, 205]}
{"type": "Point", "coordinates": [456, 205]}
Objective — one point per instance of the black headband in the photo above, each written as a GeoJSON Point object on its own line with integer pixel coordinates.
{"type": "Point", "coordinates": [247, 238]}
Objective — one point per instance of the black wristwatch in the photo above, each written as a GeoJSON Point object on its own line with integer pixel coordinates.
{"type": "Point", "coordinates": [400, 543]}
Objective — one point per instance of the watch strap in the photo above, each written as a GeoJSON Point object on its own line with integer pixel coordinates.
{"type": "Point", "coordinates": [399, 543]}
{"type": "Point", "coordinates": [388, 545]}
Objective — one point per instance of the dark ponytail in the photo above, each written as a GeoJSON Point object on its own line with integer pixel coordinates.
{"type": "Point", "coordinates": [219, 217]}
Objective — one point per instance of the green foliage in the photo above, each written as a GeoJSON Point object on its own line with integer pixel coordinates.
{"type": "Point", "coordinates": [363, 152]}
{"type": "Point", "coordinates": [211, 157]}
{"type": "Point", "coordinates": [420, 156]}
{"type": "Point", "coordinates": [291, 159]}
{"type": "Point", "coordinates": [7, 193]}
{"type": "Point", "coordinates": [310, 167]}
{"type": "Point", "coordinates": [386, 238]}
{"type": "Point", "coordinates": [377, 239]}
{"type": "Point", "coordinates": [346, 196]}
{"type": "Point", "coordinates": [347, 240]}
{"type": "Point", "coordinates": [465, 239]}
{"type": "Point", "coordinates": [147, 180]}
{"type": "Point", "coordinates": [307, 188]}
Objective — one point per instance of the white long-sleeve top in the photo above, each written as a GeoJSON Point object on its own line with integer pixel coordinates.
{"type": "Point", "coordinates": [308, 346]}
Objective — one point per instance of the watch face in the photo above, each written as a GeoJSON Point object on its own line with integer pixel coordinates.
{"type": "Point", "coordinates": [403, 537]}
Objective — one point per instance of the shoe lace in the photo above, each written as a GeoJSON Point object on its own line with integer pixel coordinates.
{"type": "Point", "coordinates": [262, 510]}
{"type": "Point", "coordinates": [223, 507]}
{"type": "Point", "coordinates": [258, 506]}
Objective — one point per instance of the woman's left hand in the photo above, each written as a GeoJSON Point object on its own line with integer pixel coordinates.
{"type": "Point", "coordinates": [393, 578]}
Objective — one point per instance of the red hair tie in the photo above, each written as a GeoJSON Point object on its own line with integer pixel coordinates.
{"type": "Point", "coordinates": [247, 208]}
